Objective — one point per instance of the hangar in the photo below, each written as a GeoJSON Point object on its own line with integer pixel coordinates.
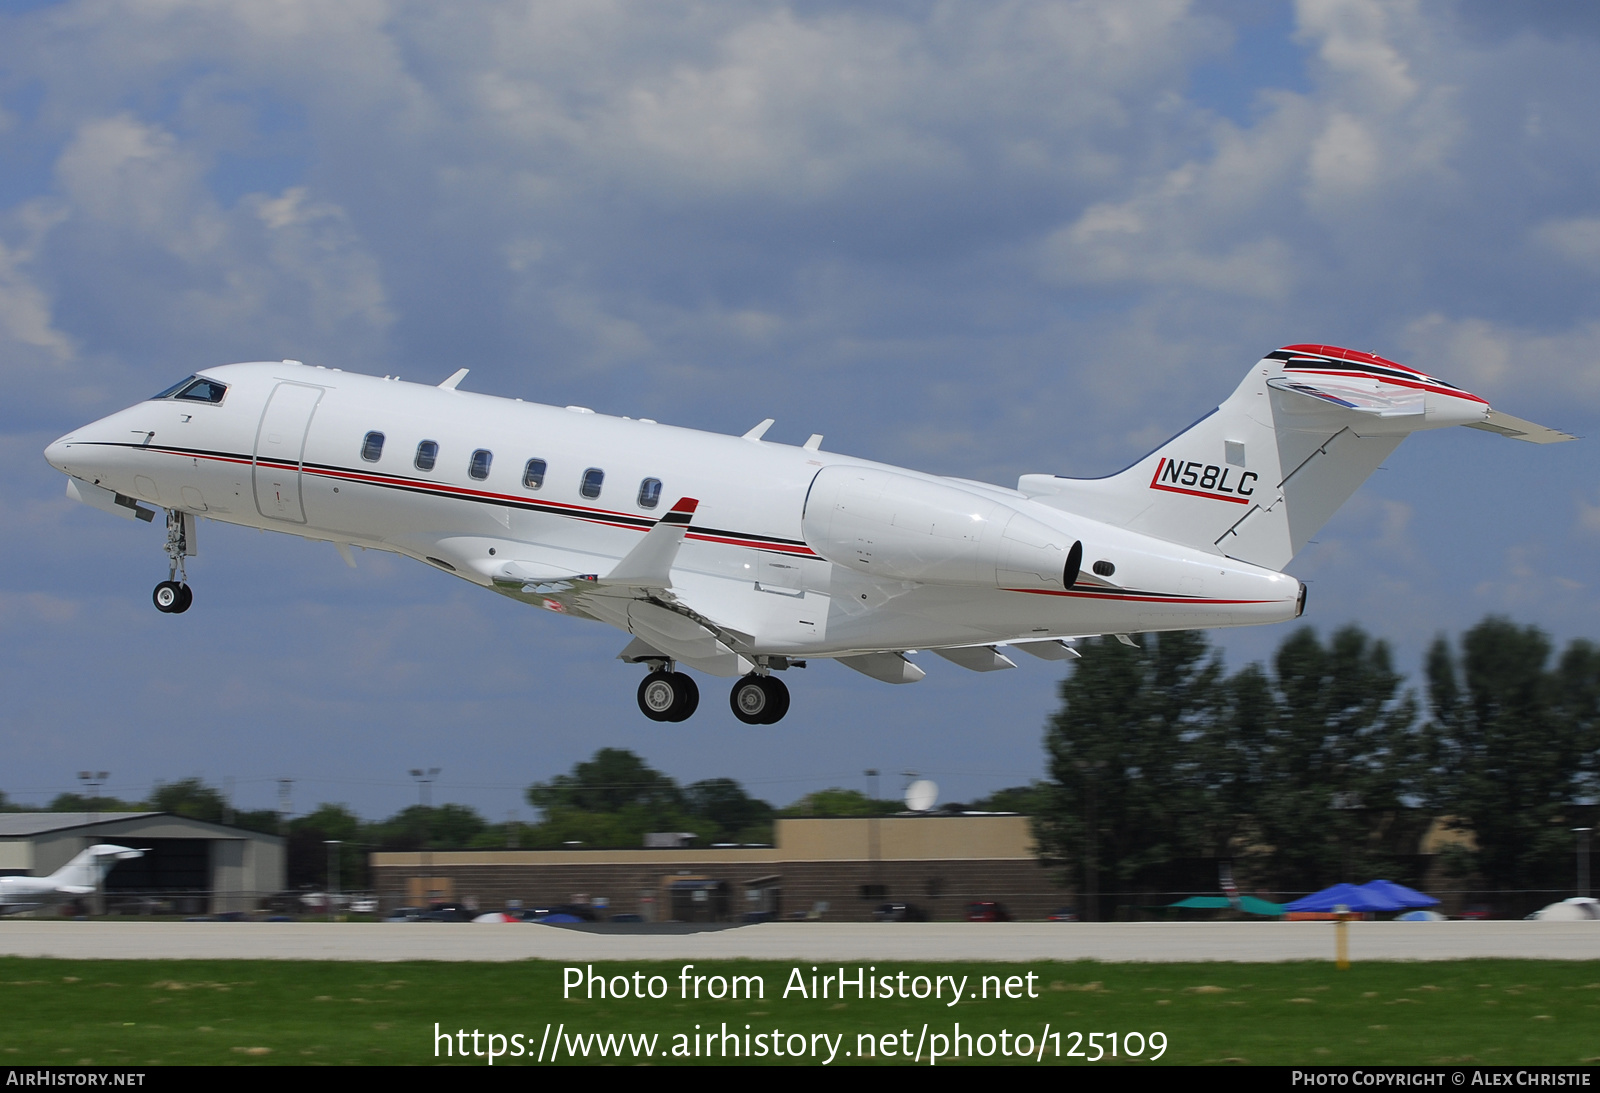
{"type": "Point", "coordinates": [189, 866]}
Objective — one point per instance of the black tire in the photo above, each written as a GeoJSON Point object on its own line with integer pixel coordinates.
{"type": "Point", "coordinates": [184, 600]}
{"type": "Point", "coordinates": [688, 697]}
{"type": "Point", "coordinates": [168, 597]}
{"type": "Point", "coordinates": [751, 700]}
{"type": "Point", "coordinates": [660, 695]}
{"type": "Point", "coordinates": [778, 700]}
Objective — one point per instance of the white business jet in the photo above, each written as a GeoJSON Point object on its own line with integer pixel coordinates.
{"type": "Point", "coordinates": [79, 877]}
{"type": "Point", "coordinates": [740, 557]}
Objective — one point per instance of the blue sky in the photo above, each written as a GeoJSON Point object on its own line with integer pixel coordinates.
{"type": "Point", "coordinates": [978, 239]}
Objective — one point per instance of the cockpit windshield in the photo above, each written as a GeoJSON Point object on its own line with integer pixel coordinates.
{"type": "Point", "coordinates": [196, 389]}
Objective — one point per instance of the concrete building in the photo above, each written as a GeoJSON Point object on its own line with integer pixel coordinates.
{"type": "Point", "coordinates": [835, 869]}
{"type": "Point", "coordinates": [189, 866]}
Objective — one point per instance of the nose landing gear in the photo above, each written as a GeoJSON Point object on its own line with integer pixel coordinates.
{"type": "Point", "coordinates": [759, 700]}
{"type": "Point", "coordinates": [173, 596]}
{"type": "Point", "coordinates": [668, 696]}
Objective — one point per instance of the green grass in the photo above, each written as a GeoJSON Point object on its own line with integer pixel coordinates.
{"type": "Point", "coordinates": [132, 1012]}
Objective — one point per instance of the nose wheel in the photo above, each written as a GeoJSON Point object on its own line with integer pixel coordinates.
{"type": "Point", "coordinates": [668, 696]}
{"type": "Point", "coordinates": [172, 598]}
{"type": "Point", "coordinates": [759, 700]}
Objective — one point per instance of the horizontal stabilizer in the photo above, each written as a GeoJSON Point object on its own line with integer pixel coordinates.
{"type": "Point", "coordinates": [1517, 429]}
{"type": "Point", "coordinates": [1362, 396]}
{"type": "Point", "coordinates": [889, 667]}
{"type": "Point", "coordinates": [978, 658]}
{"type": "Point", "coordinates": [76, 889]}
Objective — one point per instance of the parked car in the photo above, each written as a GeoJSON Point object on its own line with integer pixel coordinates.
{"type": "Point", "coordinates": [899, 912]}
{"type": "Point", "coordinates": [987, 910]}
{"type": "Point", "coordinates": [1065, 914]}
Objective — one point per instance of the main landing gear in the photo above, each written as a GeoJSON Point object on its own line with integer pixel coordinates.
{"type": "Point", "coordinates": [668, 696]}
{"type": "Point", "coordinates": [759, 700]}
{"type": "Point", "coordinates": [173, 596]}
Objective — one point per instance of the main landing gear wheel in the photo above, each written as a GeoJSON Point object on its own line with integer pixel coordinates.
{"type": "Point", "coordinates": [668, 696]}
{"type": "Point", "coordinates": [172, 598]}
{"type": "Point", "coordinates": [759, 700]}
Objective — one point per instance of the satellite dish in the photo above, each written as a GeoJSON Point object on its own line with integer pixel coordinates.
{"type": "Point", "coordinates": [921, 794]}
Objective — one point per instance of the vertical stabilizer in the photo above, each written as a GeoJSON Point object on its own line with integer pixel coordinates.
{"type": "Point", "coordinates": [1257, 477]}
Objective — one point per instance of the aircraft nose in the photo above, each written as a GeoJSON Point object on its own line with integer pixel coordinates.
{"type": "Point", "coordinates": [56, 453]}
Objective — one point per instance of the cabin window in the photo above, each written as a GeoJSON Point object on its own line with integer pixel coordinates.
{"type": "Point", "coordinates": [372, 447]}
{"type": "Point", "coordinates": [427, 455]}
{"type": "Point", "coordinates": [592, 479]}
{"type": "Point", "coordinates": [479, 467]}
{"type": "Point", "coordinates": [649, 493]}
{"type": "Point", "coordinates": [533, 474]}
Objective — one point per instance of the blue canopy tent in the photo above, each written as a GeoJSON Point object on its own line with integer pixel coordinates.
{"type": "Point", "coordinates": [1357, 899]}
{"type": "Point", "coordinates": [1410, 897]}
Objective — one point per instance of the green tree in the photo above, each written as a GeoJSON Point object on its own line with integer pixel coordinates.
{"type": "Point", "coordinates": [439, 827]}
{"type": "Point", "coordinates": [613, 780]}
{"type": "Point", "coordinates": [1514, 749]}
{"type": "Point", "coordinates": [729, 814]}
{"type": "Point", "coordinates": [189, 797]}
{"type": "Point", "coordinates": [1122, 795]}
{"type": "Point", "coordinates": [612, 800]}
{"type": "Point", "coordinates": [834, 801]}
{"type": "Point", "coordinates": [1338, 765]}
{"type": "Point", "coordinates": [308, 849]}
{"type": "Point", "coordinates": [78, 802]}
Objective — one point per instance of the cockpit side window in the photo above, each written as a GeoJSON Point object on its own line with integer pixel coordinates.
{"type": "Point", "coordinates": [175, 388]}
{"type": "Point", "coordinates": [203, 390]}
{"type": "Point", "coordinates": [196, 389]}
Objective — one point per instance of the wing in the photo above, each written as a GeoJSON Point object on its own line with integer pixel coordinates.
{"type": "Point", "coordinates": [636, 595]}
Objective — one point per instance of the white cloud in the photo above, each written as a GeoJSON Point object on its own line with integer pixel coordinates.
{"type": "Point", "coordinates": [1501, 360]}
{"type": "Point", "coordinates": [1576, 239]}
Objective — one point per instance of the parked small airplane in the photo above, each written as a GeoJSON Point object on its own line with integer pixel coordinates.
{"type": "Point", "coordinates": [79, 877]}
{"type": "Point", "coordinates": [740, 557]}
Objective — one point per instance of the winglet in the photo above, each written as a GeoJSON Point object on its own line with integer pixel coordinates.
{"type": "Point", "coordinates": [681, 513]}
{"type": "Point", "coordinates": [649, 563]}
{"type": "Point", "coordinates": [455, 379]}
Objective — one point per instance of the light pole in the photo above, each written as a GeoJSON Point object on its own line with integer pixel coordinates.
{"type": "Point", "coordinates": [92, 781]}
{"type": "Point", "coordinates": [424, 778]}
{"type": "Point", "coordinates": [285, 805]}
{"type": "Point", "coordinates": [1583, 859]}
{"type": "Point", "coordinates": [333, 876]}
{"type": "Point", "coordinates": [872, 830]}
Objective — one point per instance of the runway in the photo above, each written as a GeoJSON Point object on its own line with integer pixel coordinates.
{"type": "Point", "coordinates": [1243, 942]}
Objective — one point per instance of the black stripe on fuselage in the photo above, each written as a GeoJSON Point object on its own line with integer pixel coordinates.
{"type": "Point", "coordinates": [773, 543]}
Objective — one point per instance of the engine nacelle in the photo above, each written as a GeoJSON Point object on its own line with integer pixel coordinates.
{"type": "Point", "coordinates": [892, 525]}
